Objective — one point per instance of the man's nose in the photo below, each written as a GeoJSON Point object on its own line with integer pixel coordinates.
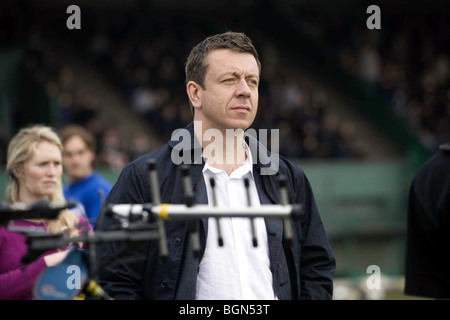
{"type": "Point", "coordinates": [243, 90]}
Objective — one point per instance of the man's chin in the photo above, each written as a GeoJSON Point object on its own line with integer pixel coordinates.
{"type": "Point", "coordinates": [77, 176]}
{"type": "Point", "coordinates": [240, 124]}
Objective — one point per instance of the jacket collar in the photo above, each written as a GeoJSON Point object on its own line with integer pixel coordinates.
{"type": "Point", "coordinates": [187, 149]}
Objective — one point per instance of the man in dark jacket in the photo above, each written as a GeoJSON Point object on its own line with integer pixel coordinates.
{"type": "Point", "coordinates": [222, 77]}
{"type": "Point", "coordinates": [426, 267]}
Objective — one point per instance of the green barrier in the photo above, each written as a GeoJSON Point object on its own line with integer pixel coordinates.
{"type": "Point", "coordinates": [363, 208]}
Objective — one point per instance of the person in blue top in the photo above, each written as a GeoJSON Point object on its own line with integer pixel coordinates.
{"type": "Point", "coordinates": [83, 184]}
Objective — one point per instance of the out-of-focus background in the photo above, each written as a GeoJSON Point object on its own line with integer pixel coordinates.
{"type": "Point", "coordinates": [359, 110]}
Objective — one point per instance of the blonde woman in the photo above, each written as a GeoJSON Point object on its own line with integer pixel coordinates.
{"type": "Point", "coordinates": [34, 163]}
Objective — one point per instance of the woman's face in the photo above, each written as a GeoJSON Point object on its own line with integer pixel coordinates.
{"type": "Point", "coordinates": [42, 173]}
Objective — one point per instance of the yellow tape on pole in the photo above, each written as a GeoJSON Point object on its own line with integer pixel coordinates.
{"type": "Point", "coordinates": [163, 212]}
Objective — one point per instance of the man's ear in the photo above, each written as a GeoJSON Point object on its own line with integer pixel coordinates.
{"type": "Point", "coordinates": [194, 91]}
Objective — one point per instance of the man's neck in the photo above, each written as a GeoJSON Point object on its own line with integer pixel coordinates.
{"type": "Point", "coordinates": [222, 149]}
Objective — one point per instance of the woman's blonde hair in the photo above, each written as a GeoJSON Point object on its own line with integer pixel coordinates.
{"type": "Point", "coordinates": [20, 150]}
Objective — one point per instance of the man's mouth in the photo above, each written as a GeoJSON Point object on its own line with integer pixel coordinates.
{"type": "Point", "coordinates": [242, 108]}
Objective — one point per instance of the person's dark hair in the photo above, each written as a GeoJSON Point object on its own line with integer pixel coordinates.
{"type": "Point", "coordinates": [75, 130]}
{"type": "Point", "coordinates": [196, 65]}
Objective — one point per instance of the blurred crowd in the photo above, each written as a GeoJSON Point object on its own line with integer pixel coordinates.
{"type": "Point", "coordinates": [145, 59]}
{"type": "Point", "coordinates": [70, 103]}
{"type": "Point", "coordinates": [73, 104]}
{"type": "Point", "coordinates": [407, 62]}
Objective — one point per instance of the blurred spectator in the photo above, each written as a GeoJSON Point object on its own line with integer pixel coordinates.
{"type": "Point", "coordinates": [83, 183]}
{"type": "Point", "coordinates": [369, 63]}
{"type": "Point", "coordinates": [86, 109]}
{"type": "Point", "coordinates": [140, 145]}
{"type": "Point", "coordinates": [112, 153]}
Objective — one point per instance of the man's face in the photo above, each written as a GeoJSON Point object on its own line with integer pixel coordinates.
{"type": "Point", "coordinates": [229, 99]}
{"type": "Point", "coordinates": [77, 158]}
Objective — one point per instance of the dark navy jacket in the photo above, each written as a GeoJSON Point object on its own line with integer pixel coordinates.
{"type": "Point", "coordinates": [303, 270]}
{"type": "Point", "coordinates": [428, 225]}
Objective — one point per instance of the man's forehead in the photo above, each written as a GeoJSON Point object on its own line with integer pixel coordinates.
{"type": "Point", "coordinates": [75, 141]}
{"type": "Point", "coordinates": [228, 61]}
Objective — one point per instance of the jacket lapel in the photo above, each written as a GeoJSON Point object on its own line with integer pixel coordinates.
{"type": "Point", "coordinates": [268, 194]}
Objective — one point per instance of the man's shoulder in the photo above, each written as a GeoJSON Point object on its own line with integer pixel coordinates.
{"type": "Point", "coordinates": [437, 166]}
{"type": "Point", "coordinates": [289, 167]}
{"type": "Point", "coordinates": [272, 162]}
{"type": "Point", "coordinates": [160, 156]}
{"type": "Point", "coordinates": [441, 158]}
{"type": "Point", "coordinates": [293, 173]}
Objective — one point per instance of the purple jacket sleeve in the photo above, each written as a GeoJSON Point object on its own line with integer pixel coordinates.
{"type": "Point", "coordinates": [18, 283]}
{"type": "Point", "coordinates": [16, 280]}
